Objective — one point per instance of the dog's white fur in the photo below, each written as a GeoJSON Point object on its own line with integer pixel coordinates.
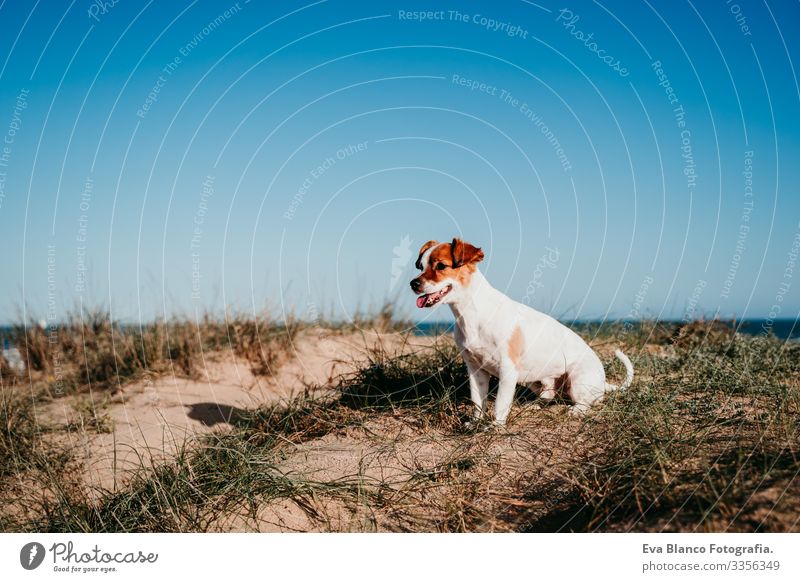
{"type": "Point", "coordinates": [490, 327]}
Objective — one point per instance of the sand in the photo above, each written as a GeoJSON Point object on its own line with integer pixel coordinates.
{"type": "Point", "coordinates": [151, 420]}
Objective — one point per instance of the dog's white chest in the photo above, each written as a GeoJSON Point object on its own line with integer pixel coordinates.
{"type": "Point", "coordinates": [480, 347]}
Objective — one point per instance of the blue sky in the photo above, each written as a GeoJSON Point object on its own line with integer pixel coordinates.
{"type": "Point", "coordinates": [614, 159]}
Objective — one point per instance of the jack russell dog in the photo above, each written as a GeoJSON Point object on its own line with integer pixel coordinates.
{"type": "Point", "coordinates": [500, 337]}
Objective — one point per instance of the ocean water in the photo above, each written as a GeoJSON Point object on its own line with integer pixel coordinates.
{"type": "Point", "coordinates": [780, 328]}
{"type": "Point", "coordinates": [787, 329]}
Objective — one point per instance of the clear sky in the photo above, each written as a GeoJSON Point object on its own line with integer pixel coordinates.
{"type": "Point", "coordinates": [613, 159]}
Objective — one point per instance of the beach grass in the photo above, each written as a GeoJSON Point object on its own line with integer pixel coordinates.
{"type": "Point", "coordinates": [706, 439]}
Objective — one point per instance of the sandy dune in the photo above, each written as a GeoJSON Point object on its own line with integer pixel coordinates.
{"type": "Point", "coordinates": [152, 419]}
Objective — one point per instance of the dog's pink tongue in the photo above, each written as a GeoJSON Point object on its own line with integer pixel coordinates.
{"type": "Point", "coordinates": [421, 300]}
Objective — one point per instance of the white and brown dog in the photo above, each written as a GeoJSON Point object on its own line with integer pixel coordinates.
{"type": "Point", "coordinates": [500, 337]}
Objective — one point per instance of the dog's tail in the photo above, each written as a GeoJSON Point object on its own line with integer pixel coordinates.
{"type": "Point", "coordinates": [628, 368]}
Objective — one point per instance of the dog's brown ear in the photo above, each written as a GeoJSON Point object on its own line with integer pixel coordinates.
{"type": "Point", "coordinates": [464, 253]}
{"type": "Point", "coordinates": [422, 250]}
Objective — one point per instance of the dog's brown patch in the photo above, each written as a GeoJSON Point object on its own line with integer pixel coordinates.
{"type": "Point", "coordinates": [446, 258]}
{"type": "Point", "coordinates": [465, 253]}
{"type": "Point", "coordinates": [457, 260]}
{"type": "Point", "coordinates": [440, 264]}
{"type": "Point", "coordinates": [422, 250]}
{"type": "Point", "coordinates": [516, 345]}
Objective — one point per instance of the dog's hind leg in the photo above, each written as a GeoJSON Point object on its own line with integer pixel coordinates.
{"type": "Point", "coordinates": [585, 389]}
{"type": "Point", "coordinates": [548, 389]}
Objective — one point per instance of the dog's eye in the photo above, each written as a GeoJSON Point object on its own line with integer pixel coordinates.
{"type": "Point", "coordinates": [440, 266]}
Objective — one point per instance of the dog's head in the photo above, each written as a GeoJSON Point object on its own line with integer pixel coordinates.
{"type": "Point", "coordinates": [447, 270]}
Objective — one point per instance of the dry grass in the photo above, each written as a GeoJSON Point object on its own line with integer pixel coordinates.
{"type": "Point", "coordinates": [89, 350]}
{"type": "Point", "coordinates": [706, 439]}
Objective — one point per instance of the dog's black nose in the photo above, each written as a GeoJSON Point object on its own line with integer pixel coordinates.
{"type": "Point", "coordinates": [416, 284]}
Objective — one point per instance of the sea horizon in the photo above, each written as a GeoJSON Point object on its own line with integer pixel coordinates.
{"type": "Point", "coordinates": [782, 328]}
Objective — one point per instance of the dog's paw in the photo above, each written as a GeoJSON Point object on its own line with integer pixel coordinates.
{"type": "Point", "coordinates": [578, 410]}
{"type": "Point", "coordinates": [477, 425]}
{"type": "Point", "coordinates": [472, 425]}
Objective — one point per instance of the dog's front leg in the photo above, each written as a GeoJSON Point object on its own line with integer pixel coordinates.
{"type": "Point", "coordinates": [478, 388]}
{"type": "Point", "coordinates": [505, 393]}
